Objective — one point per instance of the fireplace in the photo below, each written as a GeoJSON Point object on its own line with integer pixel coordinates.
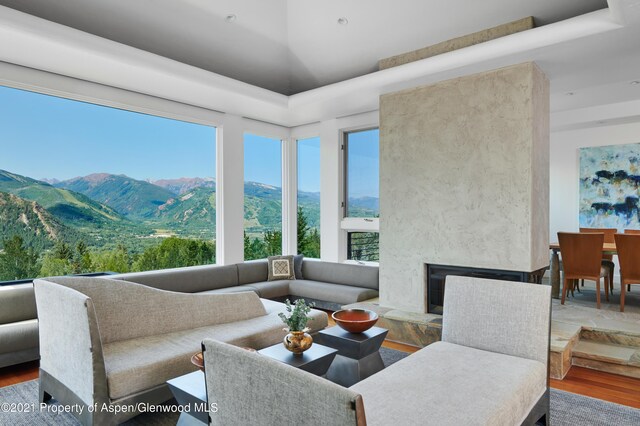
{"type": "Point", "coordinates": [435, 280]}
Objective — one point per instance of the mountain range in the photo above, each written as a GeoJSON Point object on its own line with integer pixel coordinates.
{"type": "Point", "coordinates": [104, 209]}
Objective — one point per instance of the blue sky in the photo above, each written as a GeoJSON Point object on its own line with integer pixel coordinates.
{"type": "Point", "coordinates": [48, 137]}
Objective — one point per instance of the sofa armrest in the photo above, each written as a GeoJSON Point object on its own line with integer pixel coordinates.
{"type": "Point", "coordinates": [17, 303]}
{"type": "Point", "coordinates": [126, 310]}
{"type": "Point", "coordinates": [70, 346]}
{"type": "Point", "coordinates": [249, 388]}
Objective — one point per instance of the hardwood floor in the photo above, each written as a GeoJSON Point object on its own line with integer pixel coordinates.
{"type": "Point", "coordinates": [596, 384]}
{"type": "Point", "coordinates": [18, 373]}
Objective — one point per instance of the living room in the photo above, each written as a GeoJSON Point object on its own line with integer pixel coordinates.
{"type": "Point", "coordinates": [170, 149]}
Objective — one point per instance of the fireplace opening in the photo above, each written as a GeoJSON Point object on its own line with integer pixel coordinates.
{"type": "Point", "coordinates": [436, 276]}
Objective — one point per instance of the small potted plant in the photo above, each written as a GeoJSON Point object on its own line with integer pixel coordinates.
{"type": "Point", "coordinates": [298, 340]}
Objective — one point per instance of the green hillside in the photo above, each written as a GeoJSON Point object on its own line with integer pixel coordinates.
{"type": "Point", "coordinates": [70, 207]}
{"type": "Point", "coordinates": [191, 214]}
{"type": "Point", "coordinates": [34, 224]}
{"type": "Point", "coordinates": [133, 198]}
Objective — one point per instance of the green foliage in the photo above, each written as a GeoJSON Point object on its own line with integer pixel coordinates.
{"type": "Point", "coordinates": [16, 261]}
{"type": "Point", "coordinates": [176, 252]}
{"type": "Point", "coordinates": [297, 318]}
{"type": "Point", "coordinates": [118, 260]}
{"type": "Point", "coordinates": [308, 238]}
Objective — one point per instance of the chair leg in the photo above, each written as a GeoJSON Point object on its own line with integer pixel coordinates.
{"type": "Point", "coordinates": [622, 295]}
{"type": "Point", "coordinates": [606, 288]}
{"type": "Point", "coordinates": [572, 285]}
{"type": "Point", "coordinates": [576, 285]}
{"type": "Point", "coordinates": [629, 287]}
{"type": "Point", "coordinates": [564, 290]}
{"type": "Point", "coordinates": [611, 280]}
{"type": "Point", "coordinates": [582, 283]}
{"type": "Point", "coordinates": [598, 293]}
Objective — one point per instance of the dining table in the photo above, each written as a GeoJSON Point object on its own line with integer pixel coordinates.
{"type": "Point", "coordinates": [554, 268]}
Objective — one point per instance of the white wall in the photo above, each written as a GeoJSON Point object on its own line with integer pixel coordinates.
{"type": "Point", "coordinates": [564, 169]}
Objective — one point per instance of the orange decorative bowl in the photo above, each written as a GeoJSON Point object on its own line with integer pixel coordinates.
{"type": "Point", "coordinates": [355, 320]}
{"type": "Point", "coordinates": [198, 360]}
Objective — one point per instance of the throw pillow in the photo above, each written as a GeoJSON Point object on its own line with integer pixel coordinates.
{"type": "Point", "coordinates": [281, 268]}
{"type": "Point", "coordinates": [297, 265]}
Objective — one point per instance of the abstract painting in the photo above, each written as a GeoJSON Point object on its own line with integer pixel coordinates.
{"type": "Point", "coordinates": [609, 186]}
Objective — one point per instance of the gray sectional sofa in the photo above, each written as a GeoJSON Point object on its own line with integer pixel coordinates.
{"type": "Point", "coordinates": [329, 285]}
{"type": "Point", "coordinates": [18, 325]}
{"type": "Point", "coordinates": [115, 343]}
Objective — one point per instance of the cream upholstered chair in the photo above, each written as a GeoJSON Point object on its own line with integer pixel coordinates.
{"type": "Point", "coordinates": [490, 369]}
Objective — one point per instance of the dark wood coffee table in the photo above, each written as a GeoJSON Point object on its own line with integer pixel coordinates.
{"type": "Point", "coordinates": [358, 354]}
{"type": "Point", "coordinates": [315, 360]}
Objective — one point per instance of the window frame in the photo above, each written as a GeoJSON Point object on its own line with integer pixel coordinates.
{"type": "Point", "coordinates": [295, 188]}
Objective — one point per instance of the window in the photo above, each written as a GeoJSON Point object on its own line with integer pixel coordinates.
{"type": "Point", "coordinates": [361, 194]}
{"type": "Point", "coordinates": [87, 188]}
{"type": "Point", "coordinates": [262, 197]}
{"type": "Point", "coordinates": [362, 162]}
{"type": "Point", "coordinates": [308, 219]}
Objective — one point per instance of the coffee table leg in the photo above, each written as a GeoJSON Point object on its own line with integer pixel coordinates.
{"type": "Point", "coordinates": [348, 371]}
{"type": "Point", "coordinates": [187, 419]}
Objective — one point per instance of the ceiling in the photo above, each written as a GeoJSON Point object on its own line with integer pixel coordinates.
{"type": "Point", "coordinates": [291, 46]}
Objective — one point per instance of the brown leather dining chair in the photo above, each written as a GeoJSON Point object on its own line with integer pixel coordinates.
{"type": "Point", "coordinates": [582, 259]}
{"type": "Point", "coordinates": [607, 259]}
{"type": "Point", "coordinates": [631, 232]}
{"type": "Point", "coordinates": [628, 246]}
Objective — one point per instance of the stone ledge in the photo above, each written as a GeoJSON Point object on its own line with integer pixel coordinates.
{"type": "Point", "coordinates": [410, 328]}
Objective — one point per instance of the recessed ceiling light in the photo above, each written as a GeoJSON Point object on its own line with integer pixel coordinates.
{"type": "Point", "coordinates": [634, 82]}
{"type": "Point", "coordinates": [230, 18]}
{"type": "Point", "coordinates": [343, 21]}
{"type": "Point", "coordinates": [569, 93]}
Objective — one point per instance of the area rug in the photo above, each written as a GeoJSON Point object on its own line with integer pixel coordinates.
{"type": "Point", "coordinates": [566, 409]}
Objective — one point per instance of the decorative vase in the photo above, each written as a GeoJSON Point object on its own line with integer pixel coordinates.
{"type": "Point", "coordinates": [297, 341]}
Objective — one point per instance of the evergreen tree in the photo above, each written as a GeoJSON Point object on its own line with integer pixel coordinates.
{"type": "Point", "coordinates": [308, 238]}
{"type": "Point", "coordinates": [272, 243]}
{"type": "Point", "coordinates": [16, 261]}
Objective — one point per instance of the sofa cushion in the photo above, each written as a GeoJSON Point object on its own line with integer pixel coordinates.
{"type": "Point", "coordinates": [18, 303]}
{"type": "Point", "coordinates": [271, 289]}
{"type": "Point", "coordinates": [18, 336]}
{"type": "Point", "coordinates": [192, 279]}
{"type": "Point", "coordinates": [252, 271]}
{"type": "Point", "coordinates": [458, 386]}
{"type": "Point", "coordinates": [336, 293]}
{"type": "Point", "coordinates": [280, 268]}
{"type": "Point", "coordinates": [139, 364]}
{"type": "Point", "coordinates": [297, 266]}
{"type": "Point", "coordinates": [235, 289]}
{"type": "Point", "coordinates": [341, 273]}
